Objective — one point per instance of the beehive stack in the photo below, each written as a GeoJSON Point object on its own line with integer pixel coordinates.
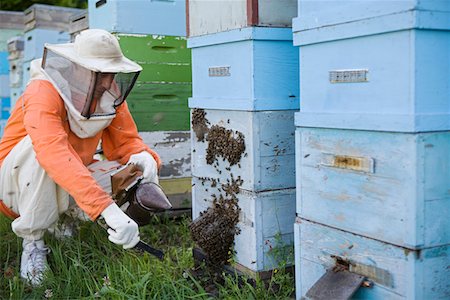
{"type": "Point", "coordinates": [152, 33]}
{"type": "Point", "coordinates": [15, 57]}
{"type": "Point", "coordinates": [44, 24]}
{"type": "Point", "coordinates": [245, 93]}
{"type": "Point", "coordinates": [11, 24]}
{"type": "Point", "coordinates": [78, 23]}
{"type": "Point", "coordinates": [373, 145]}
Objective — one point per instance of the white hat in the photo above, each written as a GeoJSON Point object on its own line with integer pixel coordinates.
{"type": "Point", "coordinates": [97, 50]}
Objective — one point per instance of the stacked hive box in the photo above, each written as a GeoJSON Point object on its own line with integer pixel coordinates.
{"type": "Point", "coordinates": [152, 33]}
{"type": "Point", "coordinates": [78, 23]}
{"type": "Point", "coordinates": [44, 24]}
{"type": "Point", "coordinates": [373, 145]}
{"type": "Point", "coordinates": [15, 57]}
{"type": "Point", "coordinates": [245, 92]}
{"type": "Point", "coordinates": [11, 24]}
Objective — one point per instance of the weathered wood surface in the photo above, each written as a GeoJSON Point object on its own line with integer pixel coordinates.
{"type": "Point", "coordinates": [395, 272]}
{"type": "Point", "coordinates": [403, 199]}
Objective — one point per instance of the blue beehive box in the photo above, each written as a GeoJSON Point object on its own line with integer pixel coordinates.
{"type": "Point", "coordinates": [265, 223]}
{"type": "Point", "coordinates": [15, 93]}
{"type": "Point", "coordinates": [246, 69]}
{"type": "Point", "coordinates": [393, 187]}
{"type": "Point", "coordinates": [36, 38]}
{"type": "Point", "coordinates": [5, 107]}
{"type": "Point", "coordinates": [4, 85]}
{"type": "Point", "coordinates": [386, 73]}
{"type": "Point", "coordinates": [163, 17]}
{"type": "Point", "coordinates": [392, 271]}
{"type": "Point", "coordinates": [313, 14]}
{"type": "Point", "coordinates": [266, 163]}
{"type": "Point", "coordinates": [4, 65]}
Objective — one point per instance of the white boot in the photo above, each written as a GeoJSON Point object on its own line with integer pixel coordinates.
{"type": "Point", "coordinates": [34, 261]}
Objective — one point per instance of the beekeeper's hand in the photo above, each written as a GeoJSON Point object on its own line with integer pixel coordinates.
{"type": "Point", "coordinates": [148, 165]}
{"type": "Point", "coordinates": [123, 230]}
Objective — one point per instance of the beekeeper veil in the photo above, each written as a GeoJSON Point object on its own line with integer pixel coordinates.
{"type": "Point", "coordinates": [93, 78]}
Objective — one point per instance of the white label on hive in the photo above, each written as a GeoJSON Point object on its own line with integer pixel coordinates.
{"type": "Point", "coordinates": [219, 71]}
{"type": "Point", "coordinates": [349, 76]}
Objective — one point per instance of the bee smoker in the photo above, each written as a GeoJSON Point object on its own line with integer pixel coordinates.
{"type": "Point", "coordinates": [142, 199]}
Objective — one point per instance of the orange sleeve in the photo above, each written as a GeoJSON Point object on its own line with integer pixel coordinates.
{"type": "Point", "coordinates": [44, 114]}
{"type": "Point", "coordinates": [121, 139]}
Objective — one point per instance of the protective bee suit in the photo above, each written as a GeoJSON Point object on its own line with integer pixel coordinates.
{"type": "Point", "coordinates": [75, 98]}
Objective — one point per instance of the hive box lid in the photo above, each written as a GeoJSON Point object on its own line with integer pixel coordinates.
{"type": "Point", "coordinates": [243, 34]}
{"type": "Point", "coordinates": [305, 34]}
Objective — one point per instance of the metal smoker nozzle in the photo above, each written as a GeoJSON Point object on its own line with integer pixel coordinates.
{"type": "Point", "coordinates": [148, 198]}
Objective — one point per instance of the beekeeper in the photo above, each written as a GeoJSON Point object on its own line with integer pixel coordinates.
{"type": "Point", "coordinates": [75, 98]}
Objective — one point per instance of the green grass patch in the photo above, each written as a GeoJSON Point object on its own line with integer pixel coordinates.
{"type": "Point", "coordinates": [88, 266]}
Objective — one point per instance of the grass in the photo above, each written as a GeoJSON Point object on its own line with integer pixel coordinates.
{"type": "Point", "coordinates": [88, 266]}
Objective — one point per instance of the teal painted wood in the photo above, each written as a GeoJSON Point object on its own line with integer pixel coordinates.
{"type": "Point", "coordinates": [36, 38]}
{"type": "Point", "coordinates": [166, 17]}
{"type": "Point", "coordinates": [4, 85]}
{"type": "Point", "coordinates": [396, 272]}
{"type": "Point", "coordinates": [15, 72]}
{"type": "Point", "coordinates": [265, 221]}
{"type": "Point", "coordinates": [312, 14]}
{"type": "Point", "coordinates": [404, 62]}
{"type": "Point", "coordinates": [392, 187]}
{"type": "Point", "coordinates": [5, 107]}
{"type": "Point", "coordinates": [267, 162]}
{"type": "Point", "coordinates": [250, 69]}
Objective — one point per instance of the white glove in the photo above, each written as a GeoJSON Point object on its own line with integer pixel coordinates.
{"type": "Point", "coordinates": [148, 165]}
{"type": "Point", "coordinates": [123, 230]}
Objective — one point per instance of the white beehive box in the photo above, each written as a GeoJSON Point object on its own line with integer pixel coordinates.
{"type": "Point", "coordinates": [266, 163]}
{"type": "Point", "coordinates": [207, 17]}
{"type": "Point", "coordinates": [265, 222]}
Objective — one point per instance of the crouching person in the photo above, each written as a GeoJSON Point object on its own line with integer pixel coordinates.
{"type": "Point", "coordinates": [75, 98]}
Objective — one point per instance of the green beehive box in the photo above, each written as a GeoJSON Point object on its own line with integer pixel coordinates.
{"type": "Point", "coordinates": [160, 107]}
{"type": "Point", "coordinates": [163, 58]}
